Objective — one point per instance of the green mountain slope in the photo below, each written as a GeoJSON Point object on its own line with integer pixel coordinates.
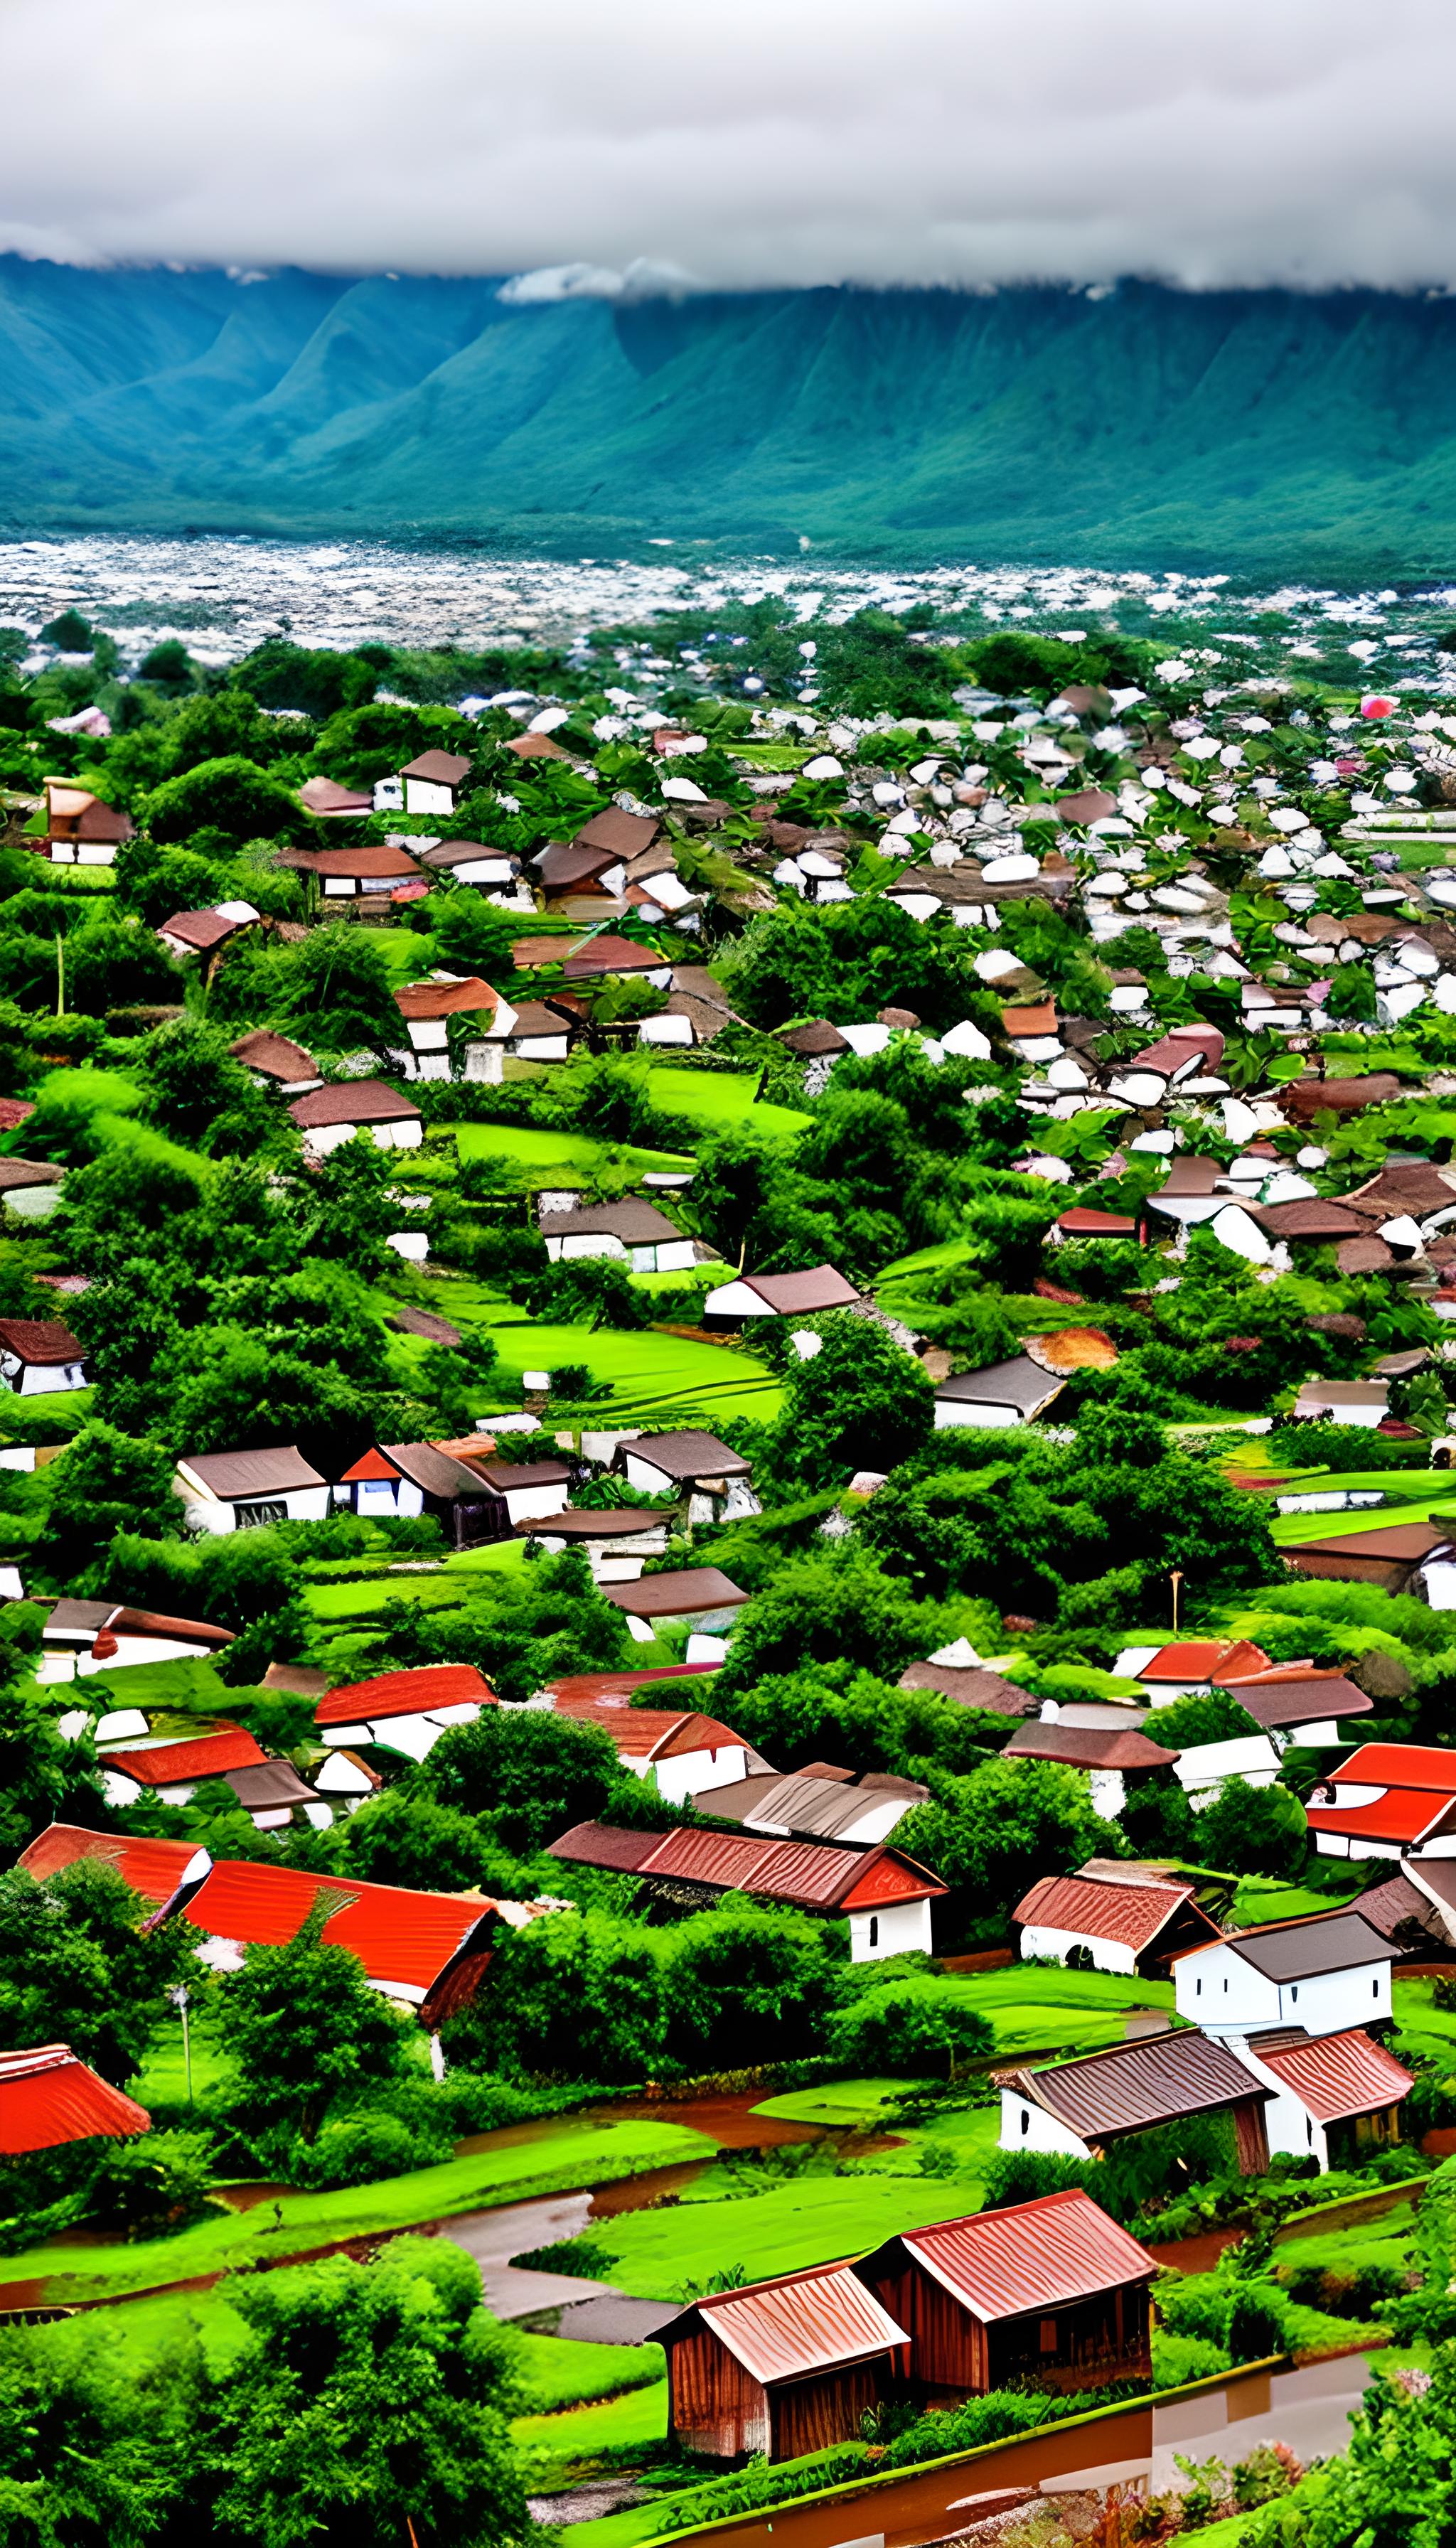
{"type": "Point", "coordinates": [1270, 430]}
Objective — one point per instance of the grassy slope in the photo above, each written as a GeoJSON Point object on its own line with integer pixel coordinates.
{"type": "Point", "coordinates": [709, 1099]}
{"type": "Point", "coordinates": [538, 1157]}
{"type": "Point", "coordinates": [567, 2154]}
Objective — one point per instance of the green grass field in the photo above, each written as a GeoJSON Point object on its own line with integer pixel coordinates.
{"type": "Point", "coordinates": [553, 2446]}
{"type": "Point", "coordinates": [556, 2157]}
{"type": "Point", "coordinates": [1294, 1530]}
{"type": "Point", "coordinates": [557, 2372]}
{"type": "Point", "coordinates": [1037, 2007]}
{"type": "Point", "coordinates": [710, 1099]}
{"type": "Point", "coordinates": [650, 1375]}
{"type": "Point", "coordinates": [540, 1159]}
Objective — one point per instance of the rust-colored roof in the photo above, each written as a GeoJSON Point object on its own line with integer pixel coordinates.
{"type": "Point", "coordinates": [1087, 1746]}
{"type": "Point", "coordinates": [566, 1686]}
{"type": "Point", "coordinates": [369, 859]}
{"type": "Point", "coordinates": [795, 2324]}
{"type": "Point", "coordinates": [419, 1001]}
{"type": "Point", "coordinates": [274, 1057]}
{"type": "Point", "coordinates": [1403, 1814]}
{"type": "Point", "coordinates": [1335, 2075]}
{"type": "Point", "coordinates": [48, 2096]}
{"type": "Point", "coordinates": [151, 1868]}
{"type": "Point", "coordinates": [1072, 1349]}
{"type": "Point", "coordinates": [1027, 2257]}
{"type": "Point", "coordinates": [650, 1733]}
{"type": "Point", "coordinates": [445, 768]}
{"type": "Point", "coordinates": [818, 1287]}
{"type": "Point", "coordinates": [1399, 1765]}
{"type": "Point", "coordinates": [229, 1475]}
{"type": "Point", "coordinates": [624, 834]}
{"type": "Point", "coordinates": [1080, 1222]}
{"type": "Point", "coordinates": [802, 1873]}
{"type": "Point", "coordinates": [41, 1340]}
{"type": "Point", "coordinates": [353, 1101]}
{"type": "Point", "coordinates": [678, 1596]}
{"type": "Point", "coordinates": [371, 1467]}
{"type": "Point", "coordinates": [1128, 1915]}
{"type": "Point", "coordinates": [1134, 2085]}
{"type": "Point", "coordinates": [402, 1693]}
{"type": "Point", "coordinates": [14, 1111]}
{"type": "Point", "coordinates": [1030, 1022]}
{"type": "Point", "coordinates": [1205, 1659]}
{"type": "Point", "coordinates": [205, 1755]}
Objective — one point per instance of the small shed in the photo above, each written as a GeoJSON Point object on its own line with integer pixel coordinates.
{"type": "Point", "coordinates": [328, 1117]}
{"type": "Point", "coordinates": [1338, 2096]}
{"type": "Point", "coordinates": [779, 1296]}
{"type": "Point", "coordinates": [779, 2368]}
{"type": "Point", "coordinates": [433, 782]}
{"type": "Point", "coordinates": [226, 1490]}
{"type": "Point", "coordinates": [1106, 1754]}
{"type": "Point", "coordinates": [427, 1008]}
{"type": "Point", "coordinates": [1324, 1973]}
{"type": "Point", "coordinates": [1005, 1392]}
{"type": "Point", "coordinates": [38, 1355]}
{"type": "Point", "coordinates": [1050, 2291]}
{"type": "Point", "coordinates": [1082, 2108]}
{"type": "Point", "coordinates": [694, 1465]}
{"type": "Point", "coordinates": [633, 1230]}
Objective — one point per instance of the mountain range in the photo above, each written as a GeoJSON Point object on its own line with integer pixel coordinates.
{"type": "Point", "coordinates": [1251, 432]}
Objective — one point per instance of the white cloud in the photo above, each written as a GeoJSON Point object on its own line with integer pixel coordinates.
{"type": "Point", "coordinates": [601, 152]}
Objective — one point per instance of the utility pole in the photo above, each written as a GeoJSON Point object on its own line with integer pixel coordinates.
{"type": "Point", "coordinates": [1175, 1578]}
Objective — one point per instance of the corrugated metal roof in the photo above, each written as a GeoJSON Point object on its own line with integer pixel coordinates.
{"type": "Point", "coordinates": [1152, 2081]}
{"type": "Point", "coordinates": [153, 1867]}
{"type": "Point", "coordinates": [1204, 1659]}
{"type": "Point", "coordinates": [1030, 2256]}
{"type": "Point", "coordinates": [1292, 1698]}
{"type": "Point", "coordinates": [1128, 1915]}
{"type": "Point", "coordinates": [48, 2096]}
{"type": "Point", "coordinates": [1295, 1951]}
{"type": "Point", "coordinates": [804, 1873]}
{"type": "Point", "coordinates": [205, 1755]}
{"type": "Point", "coordinates": [1086, 1746]}
{"type": "Point", "coordinates": [1399, 1765]}
{"type": "Point", "coordinates": [402, 1693]}
{"type": "Point", "coordinates": [274, 1472]}
{"type": "Point", "coordinates": [424, 1000]}
{"type": "Point", "coordinates": [798, 2323]}
{"type": "Point", "coordinates": [1018, 1383]}
{"type": "Point", "coordinates": [1406, 1814]}
{"type": "Point", "coordinates": [650, 1733]}
{"type": "Point", "coordinates": [603, 1845]}
{"type": "Point", "coordinates": [1335, 2075]}
{"type": "Point", "coordinates": [399, 1936]}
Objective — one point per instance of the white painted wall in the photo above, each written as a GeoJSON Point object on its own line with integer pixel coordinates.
{"type": "Point", "coordinates": [304, 1503]}
{"type": "Point", "coordinates": [1109, 1954]}
{"type": "Point", "coordinates": [1026, 2125]}
{"type": "Point", "coordinates": [1220, 1990]}
{"type": "Point", "coordinates": [37, 1378]}
{"type": "Point", "coordinates": [898, 1929]}
{"type": "Point", "coordinates": [405, 1134]}
{"type": "Point", "coordinates": [534, 1504]}
{"type": "Point", "coordinates": [428, 796]}
{"type": "Point", "coordinates": [687, 1774]}
{"type": "Point", "coordinates": [964, 1411]}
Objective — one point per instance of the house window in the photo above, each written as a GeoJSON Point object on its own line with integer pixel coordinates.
{"type": "Point", "coordinates": [1226, 1982]}
{"type": "Point", "coordinates": [1309, 2130]}
{"type": "Point", "coordinates": [258, 1516]}
{"type": "Point", "coordinates": [1198, 1990]}
{"type": "Point", "coordinates": [1048, 2336]}
{"type": "Point", "coordinates": [874, 1928]}
{"type": "Point", "coordinates": [1375, 1987]}
{"type": "Point", "coordinates": [1294, 1991]}
{"type": "Point", "coordinates": [1026, 2119]}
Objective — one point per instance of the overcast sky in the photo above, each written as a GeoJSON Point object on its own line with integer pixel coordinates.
{"type": "Point", "coordinates": [766, 142]}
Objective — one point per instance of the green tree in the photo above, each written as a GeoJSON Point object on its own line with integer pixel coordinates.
{"type": "Point", "coordinates": [742, 1986]}
{"type": "Point", "coordinates": [230, 795]}
{"type": "Point", "coordinates": [168, 665]}
{"type": "Point", "coordinates": [305, 2032]}
{"type": "Point", "coordinates": [192, 1080]}
{"type": "Point", "coordinates": [1255, 1831]}
{"type": "Point", "coordinates": [91, 2453]}
{"type": "Point", "coordinates": [985, 1835]}
{"type": "Point", "coordinates": [79, 1967]}
{"type": "Point", "coordinates": [107, 1482]}
{"type": "Point", "coordinates": [825, 1610]}
{"type": "Point", "coordinates": [861, 1402]}
{"type": "Point", "coordinates": [578, 1995]}
{"type": "Point", "coordinates": [401, 1837]}
{"type": "Point", "coordinates": [349, 1205]}
{"type": "Point", "coordinates": [910, 2028]}
{"type": "Point", "coordinates": [527, 1777]}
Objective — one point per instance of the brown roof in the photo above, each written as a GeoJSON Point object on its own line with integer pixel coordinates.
{"type": "Point", "coordinates": [39, 1340]}
{"type": "Point", "coordinates": [676, 1596]}
{"type": "Point", "coordinates": [201, 930]}
{"type": "Point", "coordinates": [231, 1475]}
{"type": "Point", "coordinates": [1405, 1542]}
{"type": "Point", "coordinates": [690, 1455]}
{"type": "Point", "coordinates": [819, 1287]}
{"type": "Point", "coordinates": [422, 1000]}
{"type": "Point", "coordinates": [1307, 1098]}
{"type": "Point", "coordinates": [462, 853]}
{"type": "Point", "coordinates": [1086, 1746]}
{"type": "Point", "coordinates": [1134, 2085]}
{"type": "Point", "coordinates": [622, 834]}
{"type": "Point", "coordinates": [1038, 1020]}
{"type": "Point", "coordinates": [15, 1173]}
{"type": "Point", "coordinates": [563, 866]}
{"type": "Point", "coordinates": [636, 1222]}
{"type": "Point", "coordinates": [616, 1522]}
{"type": "Point", "coordinates": [542, 1018]}
{"type": "Point", "coordinates": [352, 1101]}
{"type": "Point", "coordinates": [269, 1783]}
{"type": "Point", "coordinates": [819, 1037]}
{"type": "Point", "coordinates": [535, 747]}
{"type": "Point", "coordinates": [274, 1057]}
{"type": "Point", "coordinates": [1127, 1914]}
{"type": "Point", "coordinates": [438, 1472]}
{"type": "Point", "coordinates": [445, 768]}
{"type": "Point", "coordinates": [1023, 2258]}
{"type": "Point", "coordinates": [327, 797]}
{"type": "Point", "coordinates": [608, 955]}
{"type": "Point", "coordinates": [1072, 1349]}
{"type": "Point", "coordinates": [971, 1685]}
{"type": "Point", "coordinates": [1298, 1698]}
{"type": "Point", "coordinates": [369, 859]}
{"type": "Point", "coordinates": [807, 1874]}
{"type": "Point", "coordinates": [793, 2326]}
{"type": "Point", "coordinates": [1307, 1218]}
{"type": "Point", "coordinates": [1337, 2076]}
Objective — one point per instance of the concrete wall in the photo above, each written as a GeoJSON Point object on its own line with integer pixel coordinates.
{"type": "Point", "coordinates": [1026, 2125]}
{"type": "Point", "coordinates": [900, 1929]}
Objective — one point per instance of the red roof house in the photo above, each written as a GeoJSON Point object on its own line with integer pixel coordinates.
{"type": "Point", "coordinates": [885, 1895]}
{"type": "Point", "coordinates": [47, 2097]}
{"type": "Point", "coordinates": [408, 1711]}
{"type": "Point", "coordinates": [780, 2367]}
{"type": "Point", "coordinates": [1384, 1800]}
{"type": "Point", "coordinates": [1121, 1923]}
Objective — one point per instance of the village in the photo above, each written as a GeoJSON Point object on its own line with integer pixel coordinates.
{"type": "Point", "coordinates": [726, 1519]}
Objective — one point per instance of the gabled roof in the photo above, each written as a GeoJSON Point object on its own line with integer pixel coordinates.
{"type": "Point", "coordinates": [229, 1474]}
{"type": "Point", "coordinates": [446, 768]}
{"type": "Point", "coordinates": [1297, 1951]}
{"type": "Point", "coordinates": [199, 930]}
{"type": "Point", "coordinates": [438, 1472]}
{"type": "Point", "coordinates": [274, 1057]}
{"type": "Point", "coordinates": [650, 1733]}
{"type": "Point", "coordinates": [677, 1596]}
{"type": "Point", "coordinates": [169, 1764]}
{"type": "Point", "coordinates": [1213, 1659]}
{"type": "Point", "coordinates": [794, 2325]}
{"type": "Point", "coordinates": [154, 1868]}
{"type": "Point", "coordinates": [353, 1101]}
{"type": "Point", "coordinates": [1025, 2258]}
{"type": "Point", "coordinates": [402, 1693]}
{"type": "Point", "coordinates": [1125, 1915]}
{"type": "Point", "coordinates": [819, 1287]}
{"type": "Point", "coordinates": [39, 1341]}
{"type": "Point", "coordinates": [1018, 1383]}
{"type": "Point", "coordinates": [1134, 2085]}
{"type": "Point", "coordinates": [420, 1001]}
{"type": "Point", "coordinates": [1399, 1765]}
{"type": "Point", "coordinates": [971, 1685]}
{"type": "Point", "coordinates": [1337, 2076]}
{"type": "Point", "coordinates": [800, 1873]}
{"type": "Point", "coordinates": [1297, 1697]}
{"type": "Point", "coordinates": [636, 1222]}
{"type": "Point", "coordinates": [369, 859]}
{"type": "Point", "coordinates": [48, 2096]}
{"type": "Point", "coordinates": [1085, 1747]}
{"type": "Point", "coordinates": [691, 1454]}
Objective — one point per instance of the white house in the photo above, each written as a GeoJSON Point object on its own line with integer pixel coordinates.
{"type": "Point", "coordinates": [1080, 2107]}
{"type": "Point", "coordinates": [1202, 1770]}
{"type": "Point", "coordinates": [427, 1008]}
{"type": "Point", "coordinates": [633, 1230]}
{"type": "Point", "coordinates": [1336, 2097]}
{"type": "Point", "coordinates": [405, 1711]}
{"type": "Point", "coordinates": [714, 1479]}
{"type": "Point", "coordinates": [328, 1116]}
{"type": "Point", "coordinates": [1324, 1973]}
{"type": "Point", "coordinates": [432, 782]}
{"type": "Point", "coordinates": [226, 1490]}
{"type": "Point", "coordinates": [1128, 1921]}
{"type": "Point", "coordinates": [779, 1296]}
{"type": "Point", "coordinates": [681, 1756]}
{"type": "Point", "coordinates": [1342, 1402]}
{"type": "Point", "coordinates": [1005, 1392]}
{"type": "Point", "coordinates": [38, 1355]}
{"type": "Point", "coordinates": [202, 933]}
{"type": "Point", "coordinates": [372, 867]}
{"type": "Point", "coordinates": [531, 1492]}
{"type": "Point", "coordinates": [471, 862]}
{"type": "Point", "coordinates": [79, 1638]}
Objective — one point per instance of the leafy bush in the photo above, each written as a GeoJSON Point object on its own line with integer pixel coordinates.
{"type": "Point", "coordinates": [908, 2029]}
{"type": "Point", "coordinates": [1021, 2175]}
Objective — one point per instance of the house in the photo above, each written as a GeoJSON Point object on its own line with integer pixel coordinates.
{"type": "Point", "coordinates": [1360, 1403]}
{"type": "Point", "coordinates": [369, 868]}
{"type": "Point", "coordinates": [427, 1008]}
{"type": "Point", "coordinates": [779, 2368]}
{"type": "Point", "coordinates": [702, 1595]}
{"type": "Point", "coordinates": [1104, 1753]}
{"type": "Point", "coordinates": [1197, 1664]}
{"type": "Point", "coordinates": [885, 1895]}
{"type": "Point", "coordinates": [274, 1063]}
{"type": "Point", "coordinates": [970, 1685]}
{"type": "Point", "coordinates": [1298, 1703]}
{"type": "Point", "coordinates": [435, 782]}
{"type": "Point", "coordinates": [79, 1638]}
{"type": "Point", "coordinates": [634, 1232]}
{"type": "Point", "coordinates": [779, 1296]}
{"type": "Point", "coordinates": [173, 1771]}
{"type": "Point", "coordinates": [1005, 1392]}
{"type": "Point", "coordinates": [80, 830]}
{"type": "Point", "coordinates": [1080, 1222]}
{"type": "Point", "coordinates": [430, 1950]}
{"type": "Point", "coordinates": [544, 1030]}
{"type": "Point", "coordinates": [273, 1795]}
{"type": "Point", "coordinates": [405, 1711]}
{"type": "Point", "coordinates": [1125, 1922]}
{"type": "Point", "coordinates": [476, 1498]}
{"type": "Point", "coordinates": [1084, 2107]}
{"type": "Point", "coordinates": [1324, 1973]}
{"type": "Point", "coordinates": [329, 802]}
{"type": "Point", "coordinates": [1336, 2097]}
{"type": "Point", "coordinates": [48, 2097]}
{"type": "Point", "coordinates": [202, 933]}
{"type": "Point", "coordinates": [679, 1755]}
{"type": "Point", "coordinates": [1402, 1557]}
{"type": "Point", "coordinates": [226, 1490]}
{"type": "Point", "coordinates": [1051, 2291]}
{"type": "Point", "coordinates": [40, 1354]}
{"type": "Point", "coordinates": [817, 1803]}
{"type": "Point", "coordinates": [578, 869]}
{"type": "Point", "coordinates": [471, 862]}
{"type": "Point", "coordinates": [693, 1465]}
{"type": "Point", "coordinates": [1202, 1767]}
{"type": "Point", "coordinates": [1386, 1800]}
{"type": "Point", "coordinates": [328, 1116]}
{"type": "Point", "coordinates": [618, 1542]}
{"type": "Point", "coordinates": [618, 836]}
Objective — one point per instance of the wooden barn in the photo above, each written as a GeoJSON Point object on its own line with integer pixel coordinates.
{"type": "Point", "coordinates": [782, 2367]}
{"type": "Point", "coordinates": [1052, 2292]}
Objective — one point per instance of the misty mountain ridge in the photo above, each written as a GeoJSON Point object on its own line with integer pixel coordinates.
{"type": "Point", "coordinates": [1311, 434]}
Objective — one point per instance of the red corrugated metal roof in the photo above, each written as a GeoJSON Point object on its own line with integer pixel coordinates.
{"type": "Point", "coordinates": [402, 1693]}
{"type": "Point", "coordinates": [399, 1936]}
{"type": "Point", "coordinates": [1127, 1915]}
{"type": "Point", "coordinates": [567, 1686]}
{"type": "Point", "coordinates": [726, 1859]}
{"type": "Point", "coordinates": [1204, 1659]}
{"type": "Point", "coordinates": [1336, 2075]}
{"type": "Point", "coordinates": [890, 1876]}
{"type": "Point", "coordinates": [1399, 1765]}
{"type": "Point", "coordinates": [1030, 2256]}
{"type": "Point", "coordinates": [650, 1733]}
{"type": "Point", "coordinates": [373, 1465]}
{"type": "Point", "coordinates": [206, 1756]}
{"type": "Point", "coordinates": [153, 1867]}
{"type": "Point", "coordinates": [799, 2324]}
{"type": "Point", "coordinates": [48, 2096]}
{"type": "Point", "coordinates": [802, 1873]}
{"type": "Point", "coordinates": [1406, 1814]}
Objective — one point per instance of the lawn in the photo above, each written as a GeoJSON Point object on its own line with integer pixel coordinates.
{"type": "Point", "coordinates": [1424, 2028]}
{"type": "Point", "coordinates": [1293, 1530]}
{"type": "Point", "coordinates": [552, 2447]}
{"type": "Point", "coordinates": [1038, 2008]}
{"type": "Point", "coordinates": [550, 1158]}
{"type": "Point", "coordinates": [524, 2163]}
{"type": "Point", "coordinates": [662, 2254]}
{"type": "Point", "coordinates": [557, 2372]}
{"type": "Point", "coordinates": [369, 1596]}
{"type": "Point", "coordinates": [848, 2102]}
{"type": "Point", "coordinates": [710, 1099]}
{"type": "Point", "coordinates": [650, 1374]}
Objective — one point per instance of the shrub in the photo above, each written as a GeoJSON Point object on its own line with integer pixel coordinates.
{"type": "Point", "coordinates": [155, 2183]}
{"type": "Point", "coordinates": [356, 2149]}
{"type": "Point", "coordinates": [1018, 2176]}
{"type": "Point", "coordinates": [1255, 2326]}
{"type": "Point", "coordinates": [909, 2029]}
